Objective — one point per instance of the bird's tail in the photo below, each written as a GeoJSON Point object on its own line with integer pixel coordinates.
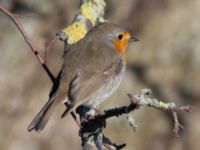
{"type": "Point", "coordinates": [40, 120]}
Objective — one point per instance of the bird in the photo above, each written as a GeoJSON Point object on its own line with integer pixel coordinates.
{"type": "Point", "coordinates": [92, 71]}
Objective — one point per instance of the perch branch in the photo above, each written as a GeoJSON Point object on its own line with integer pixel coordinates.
{"type": "Point", "coordinates": [92, 125]}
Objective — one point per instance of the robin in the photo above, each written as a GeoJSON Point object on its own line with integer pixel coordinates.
{"type": "Point", "coordinates": [92, 70]}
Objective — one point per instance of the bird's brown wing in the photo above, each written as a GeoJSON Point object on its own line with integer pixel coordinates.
{"type": "Point", "coordinates": [85, 84]}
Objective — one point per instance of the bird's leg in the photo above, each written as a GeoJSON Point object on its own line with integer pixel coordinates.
{"type": "Point", "coordinates": [68, 105]}
{"type": "Point", "coordinates": [75, 118]}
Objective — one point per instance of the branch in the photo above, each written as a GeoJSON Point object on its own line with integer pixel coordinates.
{"type": "Point", "coordinates": [143, 101]}
{"type": "Point", "coordinates": [92, 125]}
{"type": "Point", "coordinates": [89, 13]}
{"type": "Point", "coordinates": [28, 41]}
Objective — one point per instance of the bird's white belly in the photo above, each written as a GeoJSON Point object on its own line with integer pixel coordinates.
{"type": "Point", "coordinates": [106, 91]}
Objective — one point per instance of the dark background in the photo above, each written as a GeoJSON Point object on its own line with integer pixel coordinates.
{"type": "Point", "coordinates": [166, 60]}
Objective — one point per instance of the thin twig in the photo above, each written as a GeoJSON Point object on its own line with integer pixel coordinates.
{"type": "Point", "coordinates": [177, 125]}
{"type": "Point", "coordinates": [48, 45]}
{"type": "Point", "coordinates": [28, 41]}
{"type": "Point", "coordinates": [23, 15]}
{"type": "Point", "coordinates": [143, 101]}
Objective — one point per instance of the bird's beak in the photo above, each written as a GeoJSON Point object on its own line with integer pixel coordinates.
{"type": "Point", "coordinates": [134, 39]}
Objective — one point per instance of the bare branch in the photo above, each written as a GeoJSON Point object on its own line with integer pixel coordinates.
{"type": "Point", "coordinates": [144, 101]}
{"type": "Point", "coordinates": [28, 41]}
{"type": "Point", "coordinates": [92, 125]}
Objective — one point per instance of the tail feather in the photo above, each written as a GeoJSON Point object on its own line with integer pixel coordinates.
{"type": "Point", "coordinates": [40, 120]}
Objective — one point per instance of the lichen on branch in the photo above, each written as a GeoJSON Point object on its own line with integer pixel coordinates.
{"type": "Point", "coordinates": [89, 13]}
{"type": "Point", "coordinates": [91, 126]}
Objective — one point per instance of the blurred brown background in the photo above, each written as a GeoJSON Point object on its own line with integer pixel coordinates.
{"type": "Point", "coordinates": [167, 60]}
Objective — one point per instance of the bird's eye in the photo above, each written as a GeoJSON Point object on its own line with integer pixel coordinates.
{"type": "Point", "coordinates": [120, 36]}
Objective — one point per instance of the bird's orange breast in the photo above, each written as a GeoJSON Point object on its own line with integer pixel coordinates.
{"type": "Point", "coordinates": [121, 44]}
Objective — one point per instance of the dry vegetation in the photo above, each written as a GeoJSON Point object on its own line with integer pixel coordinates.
{"type": "Point", "coordinates": [166, 59]}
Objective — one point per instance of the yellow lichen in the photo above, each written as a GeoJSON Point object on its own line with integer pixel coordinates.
{"type": "Point", "coordinates": [164, 105]}
{"type": "Point", "coordinates": [75, 32]}
{"type": "Point", "coordinates": [88, 12]}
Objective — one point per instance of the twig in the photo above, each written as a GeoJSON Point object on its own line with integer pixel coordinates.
{"type": "Point", "coordinates": [23, 15]}
{"type": "Point", "coordinates": [28, 41]}
{"type": "Point", "coordinates": [177, 125]}
{"type": "Point", "coordinates": [144, 101]}
{"type": "Point", "coordinates": [48, 45]}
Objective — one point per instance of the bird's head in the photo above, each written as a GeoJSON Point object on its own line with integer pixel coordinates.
{"type": "Point", "coordinates": [115, 36]}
